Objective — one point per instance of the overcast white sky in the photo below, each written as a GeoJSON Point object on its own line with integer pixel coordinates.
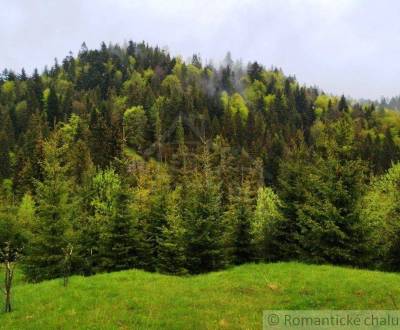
{"type": "Point", "coordinates": [343, 46]}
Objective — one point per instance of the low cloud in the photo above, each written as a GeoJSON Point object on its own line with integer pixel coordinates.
{"type": "Point", "coordinates": [343, 46]}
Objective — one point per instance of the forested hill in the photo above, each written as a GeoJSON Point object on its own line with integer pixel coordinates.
{"type": "Point", "coordinates": [130, 157]}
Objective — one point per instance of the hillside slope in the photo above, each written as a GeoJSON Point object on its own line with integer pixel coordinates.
{"type": "Point", "coordinates": [230, 299]}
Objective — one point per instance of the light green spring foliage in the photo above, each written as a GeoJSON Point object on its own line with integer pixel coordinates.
{"type": "Point", "coordinates": [254, 93]}
{"type": "Point", "coordinates": [7, 190]}
{"type": "Point", "coordinates": [21, 108]}
{"type": "Point", "coordinates": [379, 209]}
{"type": "Point", "coordinates": [235, 104]}
{"type": "Point", "coordinates": [266, 213]}
{"type": "Point", "coordinates": [132, 64]}
{"type": "Point", "coordinates": [171, 87]}
{"type": "Point", "coordinates": [26, 211]}
{"type": "Point", "coordinates": [321, 105]}
{"type": "Point", "coordinates": [391, 119]}
{"type": "Point", "coordinates": [46, 94]}
{"type": "Point", "coordinates": [335, 139]}
{"type": "Point", "coordinates": [135, 122]}
{"type": "Point", "coordinates": [148, 75]}
{"type": "Point", "coordinates": [276, 77]}
{"type": "Point", "coordinates": [178, 67]}
{"type": "Point", "coordinates": [69, 130]}
{"type": "Point", "coordinates": [135, 88]}
{"type": "Point", "coordinates": [269, 100]}
{"type": "Point", "coordinates": [106, 185]}
{"type": "Point", "coordinates": [64, 86]}
{"type": "Point", "coordinates": [193, 73]}
{"type": "Point", "coordinates": [8, 89]}
{"type": "Point", "coordinates": [151, 181]}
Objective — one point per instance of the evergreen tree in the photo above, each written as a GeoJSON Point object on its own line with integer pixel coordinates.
{"type": "Point", "coordinates": [149, 208]}
{"type": "Point", "coordinates": [52, 107]}
{"type": "Point", "coordinates": [120, 244]}
{"type": "Point", "coordinates": [171, 258]}
{"type": "Point", "coordinates": [239, 218]}
{"type": "Point", "coordinates": [5, 164]}
{"type": "Point", "coordinates": [202, 216]}
{"type": "Point", "coordinates": [342, 106]}
{"type": "Point", "coordinates": [51, 231]}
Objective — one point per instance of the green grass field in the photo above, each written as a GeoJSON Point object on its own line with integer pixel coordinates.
{"type": "Point", "coordinates": [230, 299]}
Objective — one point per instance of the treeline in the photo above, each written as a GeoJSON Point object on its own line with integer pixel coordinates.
{"type": "Point", "coordinates": [127, 157]}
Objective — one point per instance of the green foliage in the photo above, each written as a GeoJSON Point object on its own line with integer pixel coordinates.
{"type": "Point", "coordinates": [321, 195]}
{"type": "Point", "coordinates": [235, 104]}
{"type": "Point", "coordinates": [119, 248]}
{"type": "Point", "coordinates": [135, 122]}
{"type": "Point", "coordinates": [105, 187]}
{"type": "Point", "coordinates": [51, 230]}
{"type": "Point", "coordinates": [380, 212]}
{"type": "Point", "coordinates": [149, 208]}
{"type": "Point", "coordinates": [51, 105]}
{"type": "Point", "coordinates": [98, 206]}
{"type": "Point", "coordinates": [239, 220]}
{"type": "Point", "coordinates": [202, 216]}
{"type": "Point", "coordinates": [267, 221]}
{"type": "Point", "coordinates": [140, 159]}
{"type": "Point", "coordinates": [26, 214]}
{"type": "Point", "coordinates": [172, 257]}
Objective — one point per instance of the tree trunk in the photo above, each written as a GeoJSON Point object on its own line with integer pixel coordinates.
{"type": "Point", "coordinates": [8, 283]}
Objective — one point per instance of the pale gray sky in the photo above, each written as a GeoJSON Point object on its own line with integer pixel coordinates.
{"type": "Point", "coordinates": [342, 46]}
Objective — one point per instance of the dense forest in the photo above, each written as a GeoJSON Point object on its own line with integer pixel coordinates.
{"type": "Point", "coordinates": [128, 157]}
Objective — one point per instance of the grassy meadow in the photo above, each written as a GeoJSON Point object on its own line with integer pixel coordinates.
{"type": "Point", "coordinates": [229, 299]}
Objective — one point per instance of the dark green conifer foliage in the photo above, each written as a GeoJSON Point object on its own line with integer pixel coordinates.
{"type": "Point", "coordinates": [202, 216]}
{"type": "Point", "coordinates": [5, 165]}
{"type": "Point", "coordinates": [342, 106]}
{"type": "Point", "coordinates": [52, 230]}
{"type": "Point", "coordinates": [52, 108]}
{"type": "Point", "coordinates": [239, 217]}
{"type": "Point", "coordinates": [171, 258]}
{"type": "Point", "coordinates": [120, 244]}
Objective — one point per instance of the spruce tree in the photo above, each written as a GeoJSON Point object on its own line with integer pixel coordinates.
{"type": "Point", "coordinates": [120, 246]}
{"type": "Point", "coordinates": [202, 215]}
{"type": "Point", "coordinates": [238, 224]}
{"type": "Point", "coordinates": [51, 230]}
{"type": "Point", "coordinates": [171, 258]}
{"type": "Point", "coordinates": [52, 107]}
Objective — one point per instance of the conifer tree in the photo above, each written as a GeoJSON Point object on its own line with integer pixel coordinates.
{"type": "Point", "coordinates": [171, 258]}
{"type": "Point", "coordinates": [238, 225]}
{"type": "Point", "coordinates": [52, 107]}
{"type": "Point", "coordinates": [202, 215]}
{"type": "Point", "coordinates": [51, 231]}
{"type": "Point", "coordinates": [120, 246]}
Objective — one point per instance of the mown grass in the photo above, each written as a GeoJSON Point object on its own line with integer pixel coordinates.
{"type": "Point", "coordinates": [230, 299]}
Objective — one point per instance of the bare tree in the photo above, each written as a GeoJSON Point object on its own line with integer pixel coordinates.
{"type": "Point", "coordinates": [67, 262]}
{"type": "Point", "coordinates": [9, 257]}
